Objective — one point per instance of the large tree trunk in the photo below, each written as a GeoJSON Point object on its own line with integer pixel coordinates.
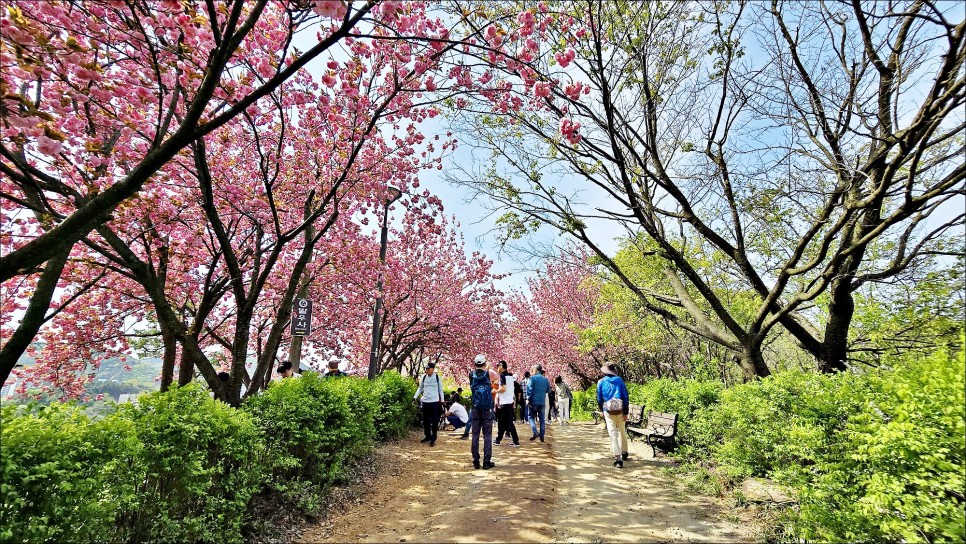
{"type": "Point", "coordinates": [186, 371]}
{"type": "Point", "coordinates": [752, 363]}
{"type": "Point", "coordinates": [35, 316]}
{"type": "Point", "coordinates": [835, 345]}
{"type": "Point", "coordinates": [169, 357]}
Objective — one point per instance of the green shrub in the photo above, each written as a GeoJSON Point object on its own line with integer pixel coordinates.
{"type": "Point", "coordinates": [64, 477]}
{"type": "Point", "coordinates": [692, 400]}
{"type": "Point", "coordinates": [583, 405]}
{"type": "Point", "coordinates": [312, 430]}
{"type": "Point", "coordinates": [360, 429]}
{"type": "Point", "coordinates": [198, 465]}
{"type": "Point", "coordinates": [396, 411]}
{"type": "Point", "coordinates": [896, 473]}
{"type": "Point", "coordinates": [182, 467]}
{"type": "Point", "coordinates": [782, 425]}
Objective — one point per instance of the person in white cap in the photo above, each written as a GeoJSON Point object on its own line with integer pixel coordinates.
{"type": "Point", "coordinates": [483, 385]}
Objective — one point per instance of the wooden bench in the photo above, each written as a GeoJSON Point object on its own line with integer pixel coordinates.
{"type": "Point", "coordinates": [659, 430]}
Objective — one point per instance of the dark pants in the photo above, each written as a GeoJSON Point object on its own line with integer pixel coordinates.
{"type": "Point", "coordinates": [431, 413]}
{"type": "Point", "coordinates": [482, 421]}
{"type": "Point", "coordinates": [455, 421]}
{"type": "Point", "coordinates": [504, 424]}
{"type": "Point", "coordinates": [469, 425]}
{"type": "Point", "coordinates": [536, 414]}
{"type": "Point", "coordinates": [523, 411]}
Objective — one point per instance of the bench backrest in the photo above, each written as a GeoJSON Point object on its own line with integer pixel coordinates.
{"type": "Point", "coordinates": [635, 413]}
{"type": "Point", "coordinates": [663, 420]}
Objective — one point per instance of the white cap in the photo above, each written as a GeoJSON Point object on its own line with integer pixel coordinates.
{"type": "Point", "coordinates": [480, 359]}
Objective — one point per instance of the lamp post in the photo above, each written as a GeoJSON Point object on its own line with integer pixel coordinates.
{"type": "Point", "coordinates": [394, 195]}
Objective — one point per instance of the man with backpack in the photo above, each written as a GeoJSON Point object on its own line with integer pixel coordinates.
{"type": "Point", "coordinates": [482, 391]}
{"type": "Point", "coordinates": [614, 402]}
{"type": "Point", "coordinates": [430, 392]}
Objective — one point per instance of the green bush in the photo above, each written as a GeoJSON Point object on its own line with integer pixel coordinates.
{"type": "Point", "coordinates": [782, 425]}
{"type": "Point", "coordinates": [64, 477]}
{"type": "Point", "coordinates": [896, 471]}
{"type": "Point", "coordinates": [396, 412]}
{"type": "Point", "coordinates": [182, 467]}
{"type": "Point", "coordinates": [312, 426]}
{"type": "Point", "coordinates": [198, 466]}
{"type": "Point", "coordinates": [872, 457]}
{"type": "Point", "coordinates": [584, 404]}
{"type": "Point", "coordinates": [692, 400]}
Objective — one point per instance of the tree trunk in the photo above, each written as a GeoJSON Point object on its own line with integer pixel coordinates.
{"type": "Point", "coordinates": [752, 363]}
{"type": "Point", "coordinates": [835, 345]}
{"type": "Point", "coordinates": [35, 316]}
{"type": "Point", "coordinates": [169, 357]}
{"type": "Point", "coordinates": [186, 371]}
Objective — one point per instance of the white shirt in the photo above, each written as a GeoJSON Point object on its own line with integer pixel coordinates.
{"type": "Point", "coordinates": [457, 410]}
{"type": "Point", "coordinates": [431, 388]}
{"type": "Point", "coordinates": [506, 397]}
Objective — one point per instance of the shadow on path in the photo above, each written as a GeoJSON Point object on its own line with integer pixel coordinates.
{"type": "Point", "coordinates": [564, 490]}
{"type": "Point", "coordinates": [435, 495]}
{"type": "Point", "coordinates": [599, 502]}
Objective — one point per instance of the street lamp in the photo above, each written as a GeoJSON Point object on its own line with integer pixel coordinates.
{"type": "Point", "coordinates": [394, 195]}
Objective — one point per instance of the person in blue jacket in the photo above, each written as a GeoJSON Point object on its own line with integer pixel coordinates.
{"type": "Point", "coordinates": [611, 386]}
{"type": "Point", "coordinates": [537, 390]}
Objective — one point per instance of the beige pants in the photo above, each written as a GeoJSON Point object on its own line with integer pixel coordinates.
{"type": "Point", "coordinates": [617, 432]}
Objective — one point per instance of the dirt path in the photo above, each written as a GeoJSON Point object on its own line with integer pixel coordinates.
{"type": "Point", "coordinates": [564, 490]}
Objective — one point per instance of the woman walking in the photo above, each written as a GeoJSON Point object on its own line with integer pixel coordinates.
{"type": "Point", "coordinates": [563, 400]}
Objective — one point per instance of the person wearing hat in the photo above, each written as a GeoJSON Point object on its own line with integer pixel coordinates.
{"type": "Point", "coordinates": [483, 386]}
{"type": "Point", "coordinates": [334, 371]}
{"type": "Point", "coordinates": [430, 393]}
{"type": "Point", "coordinates": [613, 401]}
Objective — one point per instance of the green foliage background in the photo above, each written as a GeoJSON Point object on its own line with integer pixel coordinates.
{"type": "Point", "coordinates": [873, 457]}
{"type": "Point", "coordinates": [182, 467]}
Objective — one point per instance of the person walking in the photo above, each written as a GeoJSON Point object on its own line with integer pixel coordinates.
{"type": "Point", "coordinates": [504, 411]}
{"type": "Point", "coordinates": [430, 394]}
{"type": "Point", "coordinates": [563, 400]}
{"type": "Point", "coordinates": [537, 391]}
{"type": "Point", "coordinates": [525, 403]}
{"type": "Point", "coordinates": [551, 404]}
{"type": "Point", "coordinates": [483, 383]}
{"type": "Point", "coordinates": [613, 401]}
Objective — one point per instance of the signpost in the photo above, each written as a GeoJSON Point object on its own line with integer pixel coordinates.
{"type": "Point", "coordinates": [302, 317]}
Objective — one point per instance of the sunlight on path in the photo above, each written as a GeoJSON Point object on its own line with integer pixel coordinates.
{"type": "Point", "coordinates": [564, 490]}
{"type": "Point", "coordinates": [599, 502]}
{"type": "Point", "coordinates": [434, 495]}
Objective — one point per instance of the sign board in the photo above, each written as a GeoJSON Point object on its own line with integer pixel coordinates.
{"type": "Point", "coordinates": [302, 317]}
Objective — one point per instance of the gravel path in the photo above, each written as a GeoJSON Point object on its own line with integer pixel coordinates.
{"type": "Point", "coordinates": [564, 490]}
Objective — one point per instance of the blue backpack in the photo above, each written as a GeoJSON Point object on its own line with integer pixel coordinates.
{"type": "Point", "coordinates": [481, 390]}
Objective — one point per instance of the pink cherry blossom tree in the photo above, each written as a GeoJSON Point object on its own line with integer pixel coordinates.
{"type": "Point", "coordinates": [100, 97]}
{"type": "Point", "coordinates": [545, 324]}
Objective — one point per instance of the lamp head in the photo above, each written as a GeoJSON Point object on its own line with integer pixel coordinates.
{"type": "Point", "coordinates": [394, 195]}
